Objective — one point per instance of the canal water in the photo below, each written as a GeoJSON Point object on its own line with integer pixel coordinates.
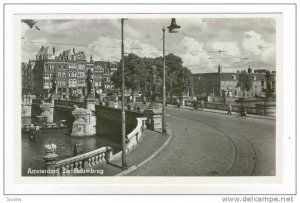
{"type": "Point", "coordinates": [33, 151]}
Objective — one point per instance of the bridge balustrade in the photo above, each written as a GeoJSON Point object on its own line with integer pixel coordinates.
{"type": "Point", "coordinates": [68, 103]}
{"type": "Point", "coordinates": [84, 161]}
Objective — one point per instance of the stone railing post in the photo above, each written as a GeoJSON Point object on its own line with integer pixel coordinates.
{"type": "Point", "coordinates": [50, 159]}
{"type": "Point", "coordinates": [108, 155]}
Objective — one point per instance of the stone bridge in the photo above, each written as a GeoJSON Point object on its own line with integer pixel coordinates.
{"type": "Point", "coordinates": [108, 119]}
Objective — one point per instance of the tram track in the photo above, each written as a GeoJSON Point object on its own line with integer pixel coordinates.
{"type": "Point", "coordinates": [237, 149]}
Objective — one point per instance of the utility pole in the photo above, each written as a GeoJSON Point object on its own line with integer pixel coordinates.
{"type": "Point", "coordinates": [124, 162]}
{"type": "Point", "coordinates": [164, 86]}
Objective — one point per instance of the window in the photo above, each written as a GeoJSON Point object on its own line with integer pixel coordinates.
{"type": "Point", "coordinates": [233, 77]}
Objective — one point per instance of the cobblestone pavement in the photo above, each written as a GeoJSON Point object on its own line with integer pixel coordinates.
{"type": "Point", "coordinates": [211, 144]}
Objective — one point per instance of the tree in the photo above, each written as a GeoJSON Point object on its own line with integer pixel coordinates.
{"type": "Point", "coordinates": [245, 81]}
{"type": "Point", "coordinates": [138, 72]}
{"type": "Point", "coordinates": [31, 23]}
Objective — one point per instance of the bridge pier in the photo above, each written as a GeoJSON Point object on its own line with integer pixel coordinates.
{"type": "Point", "coordinates": [85, 123]}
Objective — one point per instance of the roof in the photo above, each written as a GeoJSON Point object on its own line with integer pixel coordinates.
{"type": "Point", "coordinates": [226, 76]}
{"type": "Point", "coordinates": [66, 53]}
{"type": "Point", "coordinates": [43, 50]}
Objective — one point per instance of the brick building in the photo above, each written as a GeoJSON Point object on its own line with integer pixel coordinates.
{"type": "Point", "coordinates": [221, 84]}
{"type": "Point", "coordinates": [70, 68]}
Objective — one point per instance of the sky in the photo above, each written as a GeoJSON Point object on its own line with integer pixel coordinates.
{"type": "Point", "coordinates": [202, 43]}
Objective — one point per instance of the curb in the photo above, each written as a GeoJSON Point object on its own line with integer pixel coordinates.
{"type": "Point", "coordinates": [133, 168]}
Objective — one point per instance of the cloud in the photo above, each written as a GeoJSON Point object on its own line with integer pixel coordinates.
{"type": "Point", "coordinates": [133, 33]}
{"type": "Point", "coordinates": [56, 28]}
{"type": "Point", "coordinates": [194, 55]}
{"type": "Point", "coordinates": [110, 48]}
{"type": "Point", "coordinates": [255, 46]}
{"type": "Point", "coordinates": [197, 42]}
{"type": "Point", "coordinates": [30, 50]}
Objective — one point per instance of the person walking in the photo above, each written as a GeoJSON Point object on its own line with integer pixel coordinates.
{"type": "Point", "coordinates": [202, 104]}
{"type": "Point", "coordinates": [32, 132]}
{"type": "Point", "coordinates": [229, 109]}
{"type": "Point", "coordinates": [178, 103]}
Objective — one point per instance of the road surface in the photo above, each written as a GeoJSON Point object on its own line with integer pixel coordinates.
{"type": "Point", "coordinates": [214, 144]}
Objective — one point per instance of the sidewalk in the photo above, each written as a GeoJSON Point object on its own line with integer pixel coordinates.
{"type": "Point", "coordinates": [223, 112]}
{"type": "Point", "coordinates": [150, 143]}
{"type": "Point", "coordinates": [144, 106]}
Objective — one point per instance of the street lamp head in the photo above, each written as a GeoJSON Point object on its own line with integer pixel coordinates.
{"type": "Point", "coordinates": [173, 28]}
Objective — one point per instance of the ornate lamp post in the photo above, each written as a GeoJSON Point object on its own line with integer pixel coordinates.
{"type": "Point", "coordinates": [173, 28]}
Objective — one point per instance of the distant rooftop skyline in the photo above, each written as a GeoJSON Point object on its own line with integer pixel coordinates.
{"type": "Point", "coordinates": [202, 43]}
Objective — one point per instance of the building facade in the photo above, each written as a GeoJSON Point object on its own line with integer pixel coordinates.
{"type": "Point", "coordinates": [27, 78]}
{"type": "Point", "coordinates": [225, 84]}
{"type": "Point", "coordinates": [69, 69]}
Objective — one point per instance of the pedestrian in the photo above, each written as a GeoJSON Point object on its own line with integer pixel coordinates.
{"type": "Point", "coordinates": [202, 104]}
{"type": "Point", "coordinates": [229, 109]}
{"type": "Point", "coordinates": [32, 132]}
{"type": "Point", "coordinates": [195, 104]}
{"type": "Point", "coordinates": [178, 103]}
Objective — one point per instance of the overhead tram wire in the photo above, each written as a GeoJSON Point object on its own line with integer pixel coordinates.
{"type": "Point", "coordinates": [117, 47]}
{"type": "Point", "coordinates": [212, 59]}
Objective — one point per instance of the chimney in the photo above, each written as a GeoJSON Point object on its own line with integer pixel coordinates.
{"type": "Point", "coordinates": [53, 50]}
{"type": "Point", "coordinates": [74, 51]}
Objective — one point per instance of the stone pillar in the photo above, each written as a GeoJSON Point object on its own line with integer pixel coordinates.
{"type": "Point", "coordinates": [109, 156]}
{"type": "Point", "coordinates": [50, 159]}
{"type": "Point", "coordinates": [154, 119]}
{"type": "Point", "coordinates": [46, 108]}
{"type": "Point", "coordinates": [89, 103]}
{"type": "Point", "coordinates": [85, 123]}
{"type": "Point", "coordinates": [53, 98]}
{"type": "Point", "coordinates": [26, 110]}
